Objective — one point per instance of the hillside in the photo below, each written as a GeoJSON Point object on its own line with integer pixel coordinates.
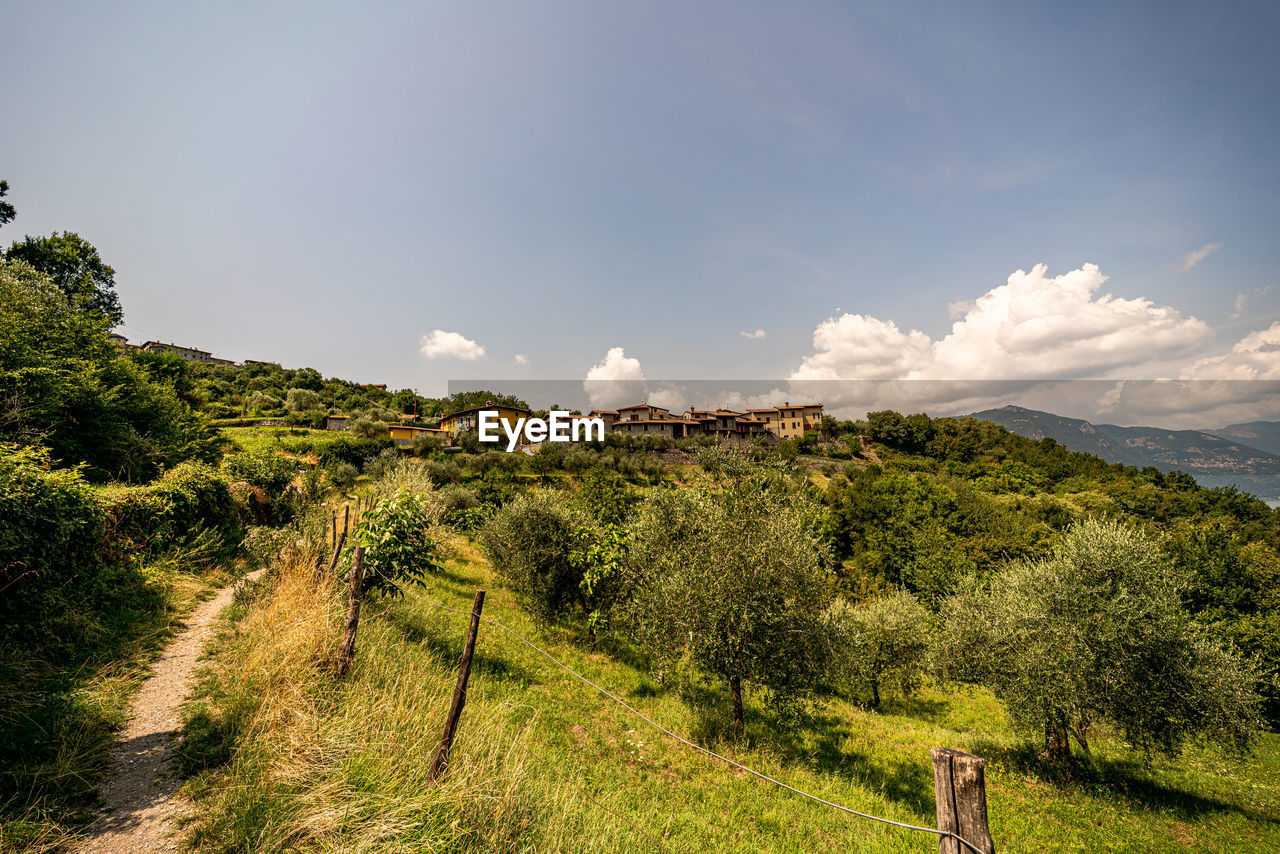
{"type": "Point", "coordinates": [1213, 460]}
{"type": "Point", "coordinates": [1076, 433]}
{"type": "Point", "coordinates": [1263, 435]}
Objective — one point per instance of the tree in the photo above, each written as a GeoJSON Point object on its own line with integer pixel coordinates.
{"type": "Point", "coordinates": [7, 211]}
{"type": "Point", "coordinates": [63, 384]}
{"type": "Point", "coordinates": [301, 400]}
{"type": "Point", "coordinates": [76, 268]}
{"type": "Point", "coordinates": [878, 644]}
{"type": "Point", "coordinates": [530, 543]}
{"type": "Point", "coordinates": [731, 580]}
{"type": "Point", "coordinates": [1097, 632]}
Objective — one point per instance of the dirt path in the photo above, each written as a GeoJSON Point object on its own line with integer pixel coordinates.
{"type": "Point", "coordinates": [139, 791]}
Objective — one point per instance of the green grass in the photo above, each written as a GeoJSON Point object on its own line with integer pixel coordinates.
{"type": "Point", "coordinates": [254, 439]}
{"type": "Point", "coordinates": [60, 713]}
{"type": "Point", "coordinates": [318, 765]}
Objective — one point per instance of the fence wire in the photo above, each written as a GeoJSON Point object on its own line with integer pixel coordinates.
{"type": "Point", "coordinates": [698, 747]}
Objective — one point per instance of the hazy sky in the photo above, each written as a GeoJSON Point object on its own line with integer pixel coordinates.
{"type": "Point", "coordinates": [412, 193]}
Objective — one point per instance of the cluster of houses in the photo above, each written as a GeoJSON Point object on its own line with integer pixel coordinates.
{"type": "Point", "coordinates": [643, 419]}
{"type": "Point", "coordinates": [190, 354]}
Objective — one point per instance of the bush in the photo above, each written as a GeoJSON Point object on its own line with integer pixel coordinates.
{"type": "Point", "coordinates": [530, 543]}
{"type": "Point", "coordinates": [50, 527]}
{"type": "Point", "coordinates": [301, 400]}
{"type": "Point", "coordinates": [342, 476]}
{"type": "Point", "coordinates": [266, 469]}
{"type": "Point", "coordinates": [351, 449]}
{"type": "Point", "coordinates": [399, 548]}
{"type": "Point", "coordinates": [878, 644]}
{"type": "Point", "coordinates": [367, 428]}
{"type": "Point", "coordinates": [1097, 631]}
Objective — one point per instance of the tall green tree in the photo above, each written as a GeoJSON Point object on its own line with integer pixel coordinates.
{"type": "Point", "coordinates": [63, 384]}
{"type": "Point", "coordinates": [75, 267]}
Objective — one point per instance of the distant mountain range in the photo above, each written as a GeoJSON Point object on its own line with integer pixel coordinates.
{"type": "Point", "coordinates": [1244, 455]}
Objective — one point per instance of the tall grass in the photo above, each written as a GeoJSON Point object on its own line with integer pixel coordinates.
{"type": "Point", "coordinates": [324, 765]}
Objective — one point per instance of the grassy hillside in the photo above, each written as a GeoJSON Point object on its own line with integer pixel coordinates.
{"type": "Point", "coordinates": [545, 763]}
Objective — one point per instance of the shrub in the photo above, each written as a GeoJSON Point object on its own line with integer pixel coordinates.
{"type": "Point", "coordinates": [196, 497]}
{"type": "Point", "coordinates": [1097, 632]}
{"type": "Point", "coordinates": [377, 466]}
{"type": "Point", "coordinates": [351, 449]}
{"type": "Point", "coordinates": [455, 501]}
{"type": "Point", "coordinates": [342, 475]}
{"type": "Point", "coordinates": [530, 543]}
{"type": "Point", "coordinates": [442, 472]}
{"type": "Point", "coordinates": [366, 428]}
{"type": "Point", "coordinates": [399, 548]}
{"type": "Point", "coordinates": [878, 644]}
{"type": "Point", "coordinates": [301, 400]}
{"type": "Point", "coordinates": [266, 469]}
{"type": "Point", "coordinates": [50, 526]}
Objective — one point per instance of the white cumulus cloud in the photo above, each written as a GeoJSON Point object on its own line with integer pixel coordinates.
{"type": "Point", "coordinates": [441, 344]}
{"type": "Point", "coordinates": [1193, 258]}
{"type": "Point", "coordinates": [757, 335]}
{"type": "Point", "coordinates": [616, 380]}
{"type": "Point", "coordinates": [1033, 326]}
{"type": "Point", "coordinates": [521, 359]}
{"type": "Point", "coordinates": [1256, 356]}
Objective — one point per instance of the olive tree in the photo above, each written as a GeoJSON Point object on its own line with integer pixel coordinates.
{"type": "Point", "coordinates": [301, 400]}
{"type": "Point", "coordinates": [877, 645]}
{"type": "Point", "coordinates": [731, 580]}
{"type": "Point", "coordinates": [530, 542]}
{"type": "Point", "coordinates": [1097, 632]}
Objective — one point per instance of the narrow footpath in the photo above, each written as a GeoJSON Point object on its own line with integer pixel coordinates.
{"type": "Point", "coordinates": [139, 791]}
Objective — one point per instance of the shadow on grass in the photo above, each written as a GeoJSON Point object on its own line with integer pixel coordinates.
{"type": "Point", "coordinates": [1128, 780]}
{"type": "Point", "coordinates": [446, 637]}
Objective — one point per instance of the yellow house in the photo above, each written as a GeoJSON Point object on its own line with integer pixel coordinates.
{"type": "Point", "coordinates": [404, 434]}
{"type": "Point", "coordinates": [787, 421]}
{"type": "Point", "coordinates": [469, 419]}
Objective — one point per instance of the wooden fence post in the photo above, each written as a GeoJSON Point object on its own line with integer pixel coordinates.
{"type": "Point", "coordinates": [441, 759]}
{"type": "Point", "coordinates": [346, 518]}
{"type": "Point", "coordinates": [347, 651]}
{"type": "Point", "coordinates": [961, 790]}
{"type": "Point", "coordinates": [335, 527]}
{"type": "Point", "coordinates": [337, 552]}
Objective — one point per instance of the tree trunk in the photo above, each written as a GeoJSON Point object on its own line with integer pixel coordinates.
{"type": "Point", "coordinates": [875, 693]}
{"type": "Point", "coordinates": [735, 687]}
{"type": "Point", "coordinates": [1056, 743]}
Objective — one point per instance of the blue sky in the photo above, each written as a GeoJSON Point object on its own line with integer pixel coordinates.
{"type": "Point", "coordinates": [326, 185]}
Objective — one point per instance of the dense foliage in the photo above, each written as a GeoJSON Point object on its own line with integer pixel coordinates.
{"type": "Point", "coordinates": [399, 547]}
{"type": "Point", "coordinates": [66, 386]}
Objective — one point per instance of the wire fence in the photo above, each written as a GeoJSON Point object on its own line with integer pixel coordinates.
{"type": "Point", "coordinates": [660, 728]}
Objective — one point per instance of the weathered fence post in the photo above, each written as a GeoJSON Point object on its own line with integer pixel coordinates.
{"type": "Point", "coordinates": [347, 651]}
{"type": "Point", "coordinates": [337, 551]}
{"type": "Point", "coordinates": [961, 790]}
{"type": "Point", "coordinates": [335, 527]}
{"type": "Point", "coordinates": [441, 759]}
{"type": "Point", "coordinates": [346, 518]}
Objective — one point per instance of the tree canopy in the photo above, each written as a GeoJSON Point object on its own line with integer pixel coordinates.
{"type": "Point", "coordinates": [75, 267]}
